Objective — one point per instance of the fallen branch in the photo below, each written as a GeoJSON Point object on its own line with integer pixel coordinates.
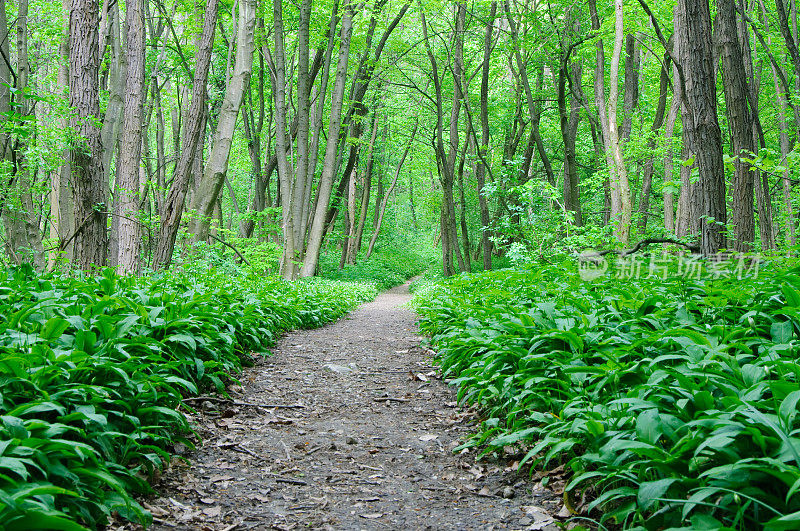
{"type": "Point", "coordinates": [390, 399]}
{"type": "Point", "coordinates": [235, 250]}
{"type": "Point", "coordinates": [649, 241]}
{"type": "Point", "coordinates": [239, 403]}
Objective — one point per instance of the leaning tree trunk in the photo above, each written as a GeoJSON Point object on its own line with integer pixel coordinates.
{"type": "Point", "coordinates": [209, 188]}
{"type": "Point", "coordinates": [316, 232]}
{"type": "Point", "coordinates": [173, 206]}
{"type": "Point", "coordinates": [88, 183]}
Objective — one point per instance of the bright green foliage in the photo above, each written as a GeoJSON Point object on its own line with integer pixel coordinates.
{"type": "Point", "coordinates": [386, 268]}
{"type": "Point", "coordinates": [93, 371]}
{"type": "Point", "coordinates": [674, 402]}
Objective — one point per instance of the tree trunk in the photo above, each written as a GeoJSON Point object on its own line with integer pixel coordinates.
{"type": "Point", "coordinates": [619, 186]}
{"type": "Point", "coordinates": [329, 163]}
{"type": "Point", "coordinates": [740, 122]}
{"type": "Point", "coordinates": [194, 125]}
{"type": "Point", "coordinates": [88, 183]}
{"type": "Point", "coordinates": [702, 130]}
{"type": "Point", "coordinates": [127, 183]}
{"type": "Point", "coordinates": [568, 123]}
{"type": "Point", "coordinates": [381, 209]}
{"type": "Point", "coordinates": [23, 239]}
{"type": "Point", "coordinates": [365, 191]}
{"type": "Point", "coordinates": [649, 165]}
{"type": "Point", "coordinates": [210, 187]}
{"type": "Point", "coordinates": [481, 169]}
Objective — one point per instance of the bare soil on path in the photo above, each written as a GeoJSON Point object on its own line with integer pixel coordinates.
{"type": "Point", "coordinates": [345, 427]}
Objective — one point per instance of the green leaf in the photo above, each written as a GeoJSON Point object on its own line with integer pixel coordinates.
{"type": "Point", "coordinates": [32, 521]}
{"type": "Point", "coordinates": [53, 328]}
{"type": "Point", "coordinates": [781, 332]}
{"type": "Point", "coordinates": [651, 491]}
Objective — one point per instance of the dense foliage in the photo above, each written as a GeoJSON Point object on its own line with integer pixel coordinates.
{"type": "Point", "coordinates": [93, 371]}
{"type": "Point", "coordinates": [388, 267]}
{"type": "Point", "coordinates": [673, 400]}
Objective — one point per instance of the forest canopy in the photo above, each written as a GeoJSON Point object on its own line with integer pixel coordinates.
{"type": "Point", "coordinates": [142, 132]}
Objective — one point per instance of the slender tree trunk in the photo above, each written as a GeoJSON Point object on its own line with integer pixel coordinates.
{"type": "Point", "coordinates": [23, 238]}
{"type": "Point", "coordinates": [649, 165]}
{"type": "Point", "coordinates": [365, 191]}
{"type": "Point", "coordinates": [568, 123]}
{"type": "Point", "coordinates": [210, 187]}
{"type": "Point", "coordinates": [328, 166]}
{"type": "Point", "coordinates": [619, 186]}
{"type": "Point", "coordinates": [381, 209]}
{"type": "Point", "coordinates": [482, 167]}
{"type": "Point", "coordinates": [194, 124]}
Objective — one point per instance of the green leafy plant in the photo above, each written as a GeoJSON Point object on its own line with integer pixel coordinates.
{"type": "Point", "coordinates": [93, 371]}
{"type": "Point", "coordinates": [672, 400]}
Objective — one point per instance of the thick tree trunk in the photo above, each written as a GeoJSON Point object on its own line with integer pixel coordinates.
{"type": "Point", "coordinates": [88, 183]}
{"type": "Point", "coordinates": [703, 132]}
{"type": "Point", "coordinates": [740, 122]}
{"type": "Point", "coordinates": [210, 187]}
{"type": "Point", "coordinates": [127, 183]}
{"type": "Point", "coordinates": [194, 125]}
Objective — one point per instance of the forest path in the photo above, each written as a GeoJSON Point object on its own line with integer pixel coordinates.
{"type": "Point", "coordinates": [370, 449]}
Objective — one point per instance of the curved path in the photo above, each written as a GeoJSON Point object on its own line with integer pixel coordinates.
{"type": "Point", "coordinates": [370, 448]}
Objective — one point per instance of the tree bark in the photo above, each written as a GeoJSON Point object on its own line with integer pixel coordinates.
{"type": "Point", "coordinates": [194, 125]}
{"type": "Point", "coordinates": [210, 187]}
{"type": "Point", "coordinates": [481, 169]}
{"type": "Point", "coordinates": [88, 183]}
{"type": "Point", "coordinates": [619, 186]}
{"type": "Point", "coordinates": [740, 122]}
{"type": "Point", "coordinates": [702, 130]}
{"type": "Point", "coordinates": [127, 182]}
{"type": "Point", "coordinates": [317, 230]}
{"type": "Point", "coordinates": [23, 239]}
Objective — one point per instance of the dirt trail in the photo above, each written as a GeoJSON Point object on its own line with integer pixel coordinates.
{"type": "Point", "coordinates": [371, 448]}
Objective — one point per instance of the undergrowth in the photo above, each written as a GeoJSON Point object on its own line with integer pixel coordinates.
{"type": "Point", "coordinates": [389, 266]}
{"type": "Point", "coordinates": [93, 371]}
{"type": "Point", "coordinates": [673, 400]}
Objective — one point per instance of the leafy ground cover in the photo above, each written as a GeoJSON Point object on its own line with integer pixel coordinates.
{"type": "Point", "coordinates": [672, 400]}
{"type": "Point", "coordinates": [389, 266]}
{"type": "Point", "coordinates": [93, 371]}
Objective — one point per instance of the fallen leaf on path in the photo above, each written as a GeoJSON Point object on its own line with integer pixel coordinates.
{"type": "Point", "coordinates": [213, 511]}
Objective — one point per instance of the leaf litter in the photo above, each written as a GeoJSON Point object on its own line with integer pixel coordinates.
{"type": "Point", "coordinates": [302, 446]}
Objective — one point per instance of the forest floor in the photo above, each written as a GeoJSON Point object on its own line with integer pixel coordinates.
{"type": "Point", "coordinates": [347, 427]}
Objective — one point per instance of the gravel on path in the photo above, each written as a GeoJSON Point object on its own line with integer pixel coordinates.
{"type": "Point", "coordinates": [346, 427]}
